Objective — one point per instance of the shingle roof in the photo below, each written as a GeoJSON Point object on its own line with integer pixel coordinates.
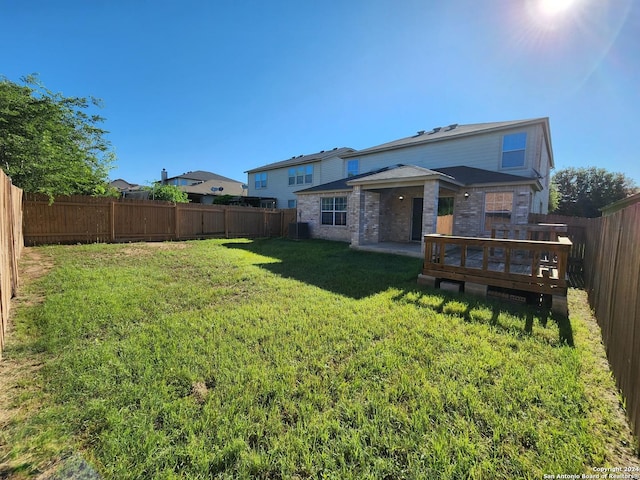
{"type": "Point", "coordinates": [445, 133]}
{"type": "Point", "coordinates": [203, 176]}
{"type": "Point", "coordinates": [461, 175]}
{"type": "Point", "coordinates": [478, 176]}
{"type": "Point", "coordinates": [302, 159]}
{"type": "Point", "coordinates": [399, 172]}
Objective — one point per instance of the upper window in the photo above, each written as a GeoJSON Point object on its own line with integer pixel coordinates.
{"type": "Point", "coordinates": [301, 175]}
{"type": "Point", "coordinates": [291, 204]}
{"type": "Point", "coordinates": [261, 180]}
{"type": "Point", "coordinates": [334, 211]}
{"type": "Point", "coordinates": [353, 168]}
{"type": "Point", "coordinates": [513, 147]}
{"type": "Point", "coordinates": [497, 208]}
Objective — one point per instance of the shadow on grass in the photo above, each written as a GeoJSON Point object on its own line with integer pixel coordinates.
{"type": "Point", "coordinates": [488, 311]}
{"type": "Point", "coordinates": [334, 267]}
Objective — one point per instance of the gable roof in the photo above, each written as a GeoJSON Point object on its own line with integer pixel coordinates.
{"type": "Point", "coordinates": [454, 131]}
{"type": "Point", "coordinates": [203, 176]}
{"type": "Point", "coordinates": [460, 176]}
{"type": "Point", "coordinates": [303, 159]}
{"type": "Point", "coordinates": [400, 173]}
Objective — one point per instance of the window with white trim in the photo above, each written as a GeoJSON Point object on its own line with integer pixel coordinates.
{"type": "Point", "coordinates": [333, 211]}
{"type": "Point", "coordinates": [498, 207]}
{"type": "Point", "coordinates": [301, 175]}
{"type": "Point", "coordinates": [261, 180]}
{"type": "Point", "coordinates": [513, 150]}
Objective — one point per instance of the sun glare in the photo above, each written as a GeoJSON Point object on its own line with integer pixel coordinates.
{"type": "Point", "coordinates": [553, 8]}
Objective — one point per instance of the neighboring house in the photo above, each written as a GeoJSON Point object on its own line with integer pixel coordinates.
{"type": "Point", "coordinates": [492, 173]}
{"type": "Point", "coordinates": [281, 180]}
{"type": "Point", "coordinates": [203, 187]}
{"type": "Point", "coordinates": [129, 190]}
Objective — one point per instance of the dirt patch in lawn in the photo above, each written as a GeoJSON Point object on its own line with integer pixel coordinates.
{"type": "Point", "coordinates": [16, 372]}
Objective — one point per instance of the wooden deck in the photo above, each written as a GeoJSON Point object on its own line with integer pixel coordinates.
{"type": "Point", "coordinates": [478, 263]}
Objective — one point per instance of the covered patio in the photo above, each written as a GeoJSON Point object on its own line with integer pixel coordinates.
{"type": "Point", "coordinates": [393, 209]}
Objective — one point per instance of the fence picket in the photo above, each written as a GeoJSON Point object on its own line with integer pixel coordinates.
{"type": "Point", "coordinates": [90, 220]}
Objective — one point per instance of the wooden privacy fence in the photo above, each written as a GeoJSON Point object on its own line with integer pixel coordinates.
{"type": "Point", "coordinates": [11, 244]}
{"type": "Point", "coordinates": [105, 220]}
{"type": "Point", "coordinates": [612, 278]}
{"type": "Point", "coordinates": [577, 233]}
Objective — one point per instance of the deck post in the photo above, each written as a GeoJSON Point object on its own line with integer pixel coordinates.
{"type": "Point", "coordinates": [559, 305]}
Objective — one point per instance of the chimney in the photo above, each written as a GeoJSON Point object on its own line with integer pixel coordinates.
{"type": "Point", "coordinates": [163, 177]}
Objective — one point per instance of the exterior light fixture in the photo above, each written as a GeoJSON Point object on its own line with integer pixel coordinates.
{"type": "Point", "coordinates": [401, 197]}
{"type": "Point", "coordinates": [466, 195]}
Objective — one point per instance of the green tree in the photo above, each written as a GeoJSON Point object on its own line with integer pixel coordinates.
{"type": "Point", "coordinates": [583, 191]}
{"type": "Point", "coordinates": [554, 198]}
{"type": "Point", "coordinates": [167, 193]}
{"type": "Point", "coordinates": [50, 143]}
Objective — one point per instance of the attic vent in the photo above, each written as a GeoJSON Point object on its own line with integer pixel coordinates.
{"type": "Point", "coordinates": [452, 126]}
{"type": "Point", "coordinates": [321, 151]}
{"type": "Point", "coordinates": [435, 130]}
{"type": "Point", "coordinates": [420, 132]}
{"type": "Point", "coordinates": [335, 148]}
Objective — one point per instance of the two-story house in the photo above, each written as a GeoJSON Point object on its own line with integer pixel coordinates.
{"type": "Point", "coordinates": [490, 173]}
{"type": "Point", "coordinates": [281, 180]}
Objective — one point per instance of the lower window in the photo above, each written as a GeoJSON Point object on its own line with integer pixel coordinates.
{"type": "Point", "coordinates": [334, 211]}
{"type": "Point", "coordinates": [497, 208]}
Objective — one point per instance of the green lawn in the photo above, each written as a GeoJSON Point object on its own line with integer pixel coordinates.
{"type": "Point", "coordinates": [282, 359]}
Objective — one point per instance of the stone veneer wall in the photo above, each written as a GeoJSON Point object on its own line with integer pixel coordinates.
{"type": "Point", "coordinates": [468, 220]}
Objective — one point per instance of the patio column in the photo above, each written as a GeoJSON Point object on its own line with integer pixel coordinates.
{"type": "Point", "coordinates": [430, 208]}
{"type": "Point", "coordinates": [354, 215]}
{"type": "Point", "coordinates": [364, 212]}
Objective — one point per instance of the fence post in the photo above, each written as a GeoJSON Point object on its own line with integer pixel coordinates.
{"type": "Point", "coordinates": [225, 209]}
{"type": "Point", "coordinates": [282, 233]}
{"type": "Point", "coordinates": [177, 221]}
{"type": "Point", "coordinates": [264, 224]}
{"type": "Point", "coordinates": [112, 220]}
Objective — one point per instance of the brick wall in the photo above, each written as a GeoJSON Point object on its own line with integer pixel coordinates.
{"type": "Point", "coordinates": [468, 220]}
{"type": "Point", "coordinates": [309, 212]}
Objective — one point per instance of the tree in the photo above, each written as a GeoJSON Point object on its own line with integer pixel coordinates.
{"type": "Point", "coordinates": [554, 197]}
{"type": "Point", "coordinates": [167, 193]}
{"type": "Point", "coordinates": [52, 144]}
{"type": "Point", "coordinates": [583, 191]}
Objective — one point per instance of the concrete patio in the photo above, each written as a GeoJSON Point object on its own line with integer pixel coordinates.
{"type": "Point", "coordinates": [408, 249]}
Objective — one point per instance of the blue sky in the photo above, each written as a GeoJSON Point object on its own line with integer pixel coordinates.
{"type": "Point", "coordinates": [229, 85]}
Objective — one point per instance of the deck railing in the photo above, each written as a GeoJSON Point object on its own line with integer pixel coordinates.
{"type": "Point", "coordinates": [530, 265]}
{"type": "Point", "coordinates": [530, 231]}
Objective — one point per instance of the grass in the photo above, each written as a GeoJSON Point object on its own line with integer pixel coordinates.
{"type": "Point", "coordinates": [281, 359]}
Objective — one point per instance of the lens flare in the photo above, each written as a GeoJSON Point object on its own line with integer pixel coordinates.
{"type": "Point", "coordinates": [553, 8]}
